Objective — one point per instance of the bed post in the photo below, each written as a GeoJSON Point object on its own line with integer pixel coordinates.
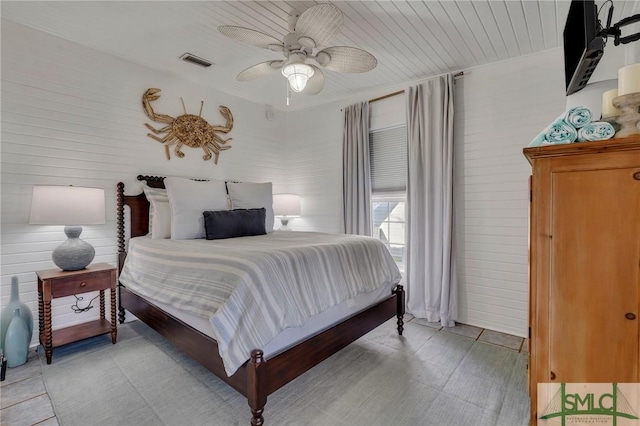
{"type": "Point", "coordinates": [256, 386]}
{"type": "Point", "coordinates": [121, 253]}
{"type": "Point", "coordinates": [399, 292]}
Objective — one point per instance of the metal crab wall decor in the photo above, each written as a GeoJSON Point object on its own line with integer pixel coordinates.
{"type": "Point", "coordinates": [188, 129]}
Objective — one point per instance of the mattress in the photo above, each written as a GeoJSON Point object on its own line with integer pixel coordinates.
{"type": "Point", "coordinates": [290, 337]}
{"type": "Point", "coordinates": [252, 289]}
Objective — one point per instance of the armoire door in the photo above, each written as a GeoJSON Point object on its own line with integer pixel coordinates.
{"type": "Point", "coordinates": [594, 277]}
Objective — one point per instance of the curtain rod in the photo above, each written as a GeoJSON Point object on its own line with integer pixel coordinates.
{"type": "Point", "coordinates": [399, 92]}
{"type": "Point", "coordinates": [385, 96]}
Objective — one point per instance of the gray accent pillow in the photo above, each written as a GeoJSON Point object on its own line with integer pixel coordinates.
{"type": "Point", "coordinates": [220, 224]}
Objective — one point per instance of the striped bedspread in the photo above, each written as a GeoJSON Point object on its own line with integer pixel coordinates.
{"type": "Point", "coordinates": [252, 288]}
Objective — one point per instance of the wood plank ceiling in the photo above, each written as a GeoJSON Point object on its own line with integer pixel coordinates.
{"type": "Point", "coordinates": [412, 40]}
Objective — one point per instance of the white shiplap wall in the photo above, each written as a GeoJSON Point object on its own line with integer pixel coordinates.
{"type": "Point", "coordinates": [73, 116]}
{"type": "Point", "coordinates": [498, 110]}
{"type": "Point", "coordinates": [314, 139]}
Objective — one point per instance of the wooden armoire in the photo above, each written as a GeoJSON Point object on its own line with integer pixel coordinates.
{"type": "Point", "coordinates": [584, 297]}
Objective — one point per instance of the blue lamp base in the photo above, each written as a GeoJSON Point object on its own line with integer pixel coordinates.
{"type": "Point", "coordinates": [74, 254]}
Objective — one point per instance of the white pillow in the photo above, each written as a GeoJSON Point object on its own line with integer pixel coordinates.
{"type": "Point", "coordinates": [189, 199]}
{"type": "Point", "coordinates": [159, 212]}
{"type": "Point", "coordinates": [253, 196]}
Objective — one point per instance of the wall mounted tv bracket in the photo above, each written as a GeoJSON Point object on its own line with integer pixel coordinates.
{"type": "Point", "coordinates": [615, 32]}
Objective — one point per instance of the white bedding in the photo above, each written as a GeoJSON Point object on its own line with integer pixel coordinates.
{"type": "Point", "coordinates": [291, 336]}
{"type": "Point", "coordinates": [253, 288]}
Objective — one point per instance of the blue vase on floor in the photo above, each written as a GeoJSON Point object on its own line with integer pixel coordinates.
{"type": "Point", "coordinates": [7, 312]}
{"type": "Point", "coordinates": [16, 342]}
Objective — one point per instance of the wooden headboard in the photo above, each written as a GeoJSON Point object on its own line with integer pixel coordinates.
{"type": "Point", "coordinates": [139, 207]}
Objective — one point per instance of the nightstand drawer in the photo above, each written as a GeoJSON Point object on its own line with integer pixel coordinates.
{"type": "Point", "coordinates": [68, 286]}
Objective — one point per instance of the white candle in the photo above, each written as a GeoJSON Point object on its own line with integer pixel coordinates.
{"type": "Point", "coordinates": [608, 110]}
{"type": "Point", "coordinates": [629, 79]}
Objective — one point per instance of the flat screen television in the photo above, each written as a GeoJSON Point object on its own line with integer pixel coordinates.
{"type": "Point", "coordinates": [583, 45]}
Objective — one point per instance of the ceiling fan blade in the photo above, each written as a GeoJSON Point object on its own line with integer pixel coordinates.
{"type": "Point", "coordinates": [315, 83]}
{"type": "Point", "coordinates": [249, 36]}
{"type": "Point", "coordinates": [348, 59]}
{"type": "Point", "coordinates": [320, 23]}
{"type": "Point", "coordinates": [259, 70]}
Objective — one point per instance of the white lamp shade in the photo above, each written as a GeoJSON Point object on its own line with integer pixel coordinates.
{"type": "Point", "coordinates": [298, 75]}
{"type": "Point", "coordinates": [67, 205]}
{"type": "Point", "coordinates": [286, 205]}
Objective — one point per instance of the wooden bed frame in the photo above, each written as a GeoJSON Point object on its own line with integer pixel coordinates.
{"type": "Point", "coordinates": [257, 378]}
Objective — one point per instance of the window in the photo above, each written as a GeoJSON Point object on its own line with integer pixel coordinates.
{"type": "Point", "coordinates": [387, 214]}
{"type": "Point", "coordinates": [388, 152]}
{"type": "Point", "coordinates": [388, 161]}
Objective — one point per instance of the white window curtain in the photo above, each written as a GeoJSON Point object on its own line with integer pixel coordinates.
{"type": "Point", "coordinates": [356, 176]}
{"type": "Point", "coordinates": [431, 277]}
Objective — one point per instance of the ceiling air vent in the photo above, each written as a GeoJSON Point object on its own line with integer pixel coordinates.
{"type": "Point", "coordinates": [188, 57]}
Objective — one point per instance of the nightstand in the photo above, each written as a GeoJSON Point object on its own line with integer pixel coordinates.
{"type": "Point", "coordinates": [54, 283]}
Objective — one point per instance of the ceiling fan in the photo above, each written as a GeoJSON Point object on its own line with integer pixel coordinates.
{"type": "Point", "coordinates": [305, 50]}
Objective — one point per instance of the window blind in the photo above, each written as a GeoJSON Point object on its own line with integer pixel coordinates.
{"type": "Point", "coordinates": [388, 156]}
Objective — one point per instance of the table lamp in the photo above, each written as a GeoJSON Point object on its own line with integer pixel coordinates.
{"type": "Point", "coordinates": [286, 206]}
{"type": "Point", "coordinates": [71, 206]}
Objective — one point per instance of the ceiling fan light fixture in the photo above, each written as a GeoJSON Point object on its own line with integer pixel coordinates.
{"type": "Point", "coordinates": [306, 49]}
{"type": "Point", "coordinates": [298, 75]}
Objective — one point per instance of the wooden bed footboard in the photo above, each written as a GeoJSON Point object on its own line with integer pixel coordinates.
{"type": "Point", "coordinates": [258, 377]}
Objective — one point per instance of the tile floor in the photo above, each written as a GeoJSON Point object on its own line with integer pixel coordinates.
{"type": "Point", "coordinates": [24, 399]}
